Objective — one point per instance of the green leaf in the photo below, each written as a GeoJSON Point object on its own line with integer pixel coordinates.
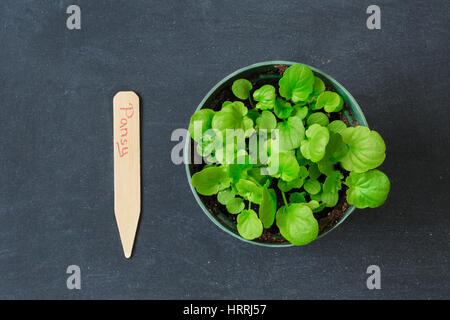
{"type": "Point", "coordinates": [367, 189]}
{"type": "Point", "coordinates": [314, 172]}
{"type": "Point", "coordinates": [297, 224]}
{"type": "Point", "coordinates": [303, 172]}
{"type": "Point", "coordinates": [266, 121]}
{"type": "Point", "coordinates": [297, 197]}
{"type": "Point", "coordinates": [330, 199]}
{"type": "Point", "coordinates": [317, 197]}
{"type": "Point", "coordinates": [283, 165]}
{"type": "Point", "coordinates": [330, 101]}
{"type": "Point", "coordinates": [325, 166]}
{"type": "Point", "coordinates": [268, 207]}
{"type": "Point", "coordinates": [248, 225]}
{"type": "Point", "coordinates": [225, 196]}
{"type": "Point", "coordinates": [232, 116]}
{"type": "Point", "coordinates": [291, 132]}
{"type": "Point", "coordinates": [297, 83]}
{"type": "Point", "coordinates": [241, 88]}
{"type": "Point", "coordinates": [235, 205]}
{"type": "Point", "coordinates": [318, 87]}
{"type": "Point", "coordinates": [210, 180]}
{"type": "Point", "coordinates": [286, 186]}
{"type": "Point", "coordinates": [300, 111]}
{"type": "Point", "coordinates": [312, 186]}
{"type": "Point", "coordinates": [337, 126]}
{"type": "Point", "coordinates": [366, 149]}
{"type": "Point", "coordinates": [314, 146]}
{"type": "Point", "coordinates": [333, 182]}
{"type": "Point", "coordinates": [320, 207]}
{"type": "Point", "coordinates": [336, 148]}
{"type": "Point", "coordinates": [313, 204]}
{"type": "Point", "coordinates": [203, 118]}
{"type": "Point", "coordinates": [319, 118]}
{"type": "Point", "coordinates": [208, 142]}
{"type": "Point", "coordinates": [283, 109]}
{"type": "Point", "coordinates": [249, 190]}
{"type": "Point", "coordinates": [266, 96]}
{"type": "Point", "coordinates": [256, 175]}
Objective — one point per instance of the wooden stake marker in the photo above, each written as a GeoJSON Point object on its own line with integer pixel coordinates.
{"type": "Point", "coordinates": [127, 167]}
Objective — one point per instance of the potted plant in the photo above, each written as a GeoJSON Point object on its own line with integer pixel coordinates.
{"type": "Point", "coordinates": [286, 155]}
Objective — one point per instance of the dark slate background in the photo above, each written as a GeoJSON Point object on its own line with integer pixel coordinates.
{"type": "Point", "coordinates": [56, 163]}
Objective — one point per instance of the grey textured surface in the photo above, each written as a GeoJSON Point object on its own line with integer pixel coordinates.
{"type": "Point", "coordinates": [56, 166]}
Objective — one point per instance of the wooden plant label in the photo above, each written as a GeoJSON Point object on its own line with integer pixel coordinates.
{"type": "Point", "coordinates": [127, 167]}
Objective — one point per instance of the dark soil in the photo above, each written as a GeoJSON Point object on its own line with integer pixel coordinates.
{"type": "Point", "coordinates": [326, 218]}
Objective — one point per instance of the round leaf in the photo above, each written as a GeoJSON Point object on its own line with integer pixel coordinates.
{"type": "Point", "coordinates": [318, 87]}
{"type": "Point", "coordinates": [225, 196]}
{"type": "Point", "coordinates": [297, 83]}
{"type": "Point", "coordinates": [300, 111]}
{"type": "Point", "coordinates": [330, 101]}
{"type": "Point", "coordinates": [297, 197]}
{"type": "Point", "coordinates": [337, 126]}
{"type": "Point", "coordinates": [249, 190]}
{"type": "Point", "coordinates": [266, 121]}
{"type": "Point", "coordinates": [290, 133]}
{"type": "Point", "coordinates": [315, 146]}
{"type": "Point", "coordinates": [297, 224]}
{"type": "Point", "coordinates": [283, 165]}
{"type": "Point", "coordinates": [366, 149]}
{"type": "Point", "coordinates": [330, 199]}
{"type": "Point", "coordinates": [210, 180]}
{"type": "Point", "coordinates": [241, 88]}
{"type": "Point", "coordinates": [248, 225]}
{"type": "Point", "coordinates": [319, 118]}
{"type": "Point", "coordinates": [201, 120]}
{"type": "Point", "coordinates": [312, 186]}
{"type": "Point", "coordinates": [283, 109]}
{"type": "Point", "coordinates": [266, 96]}
{"type": "Point", "coordinates": [367, 189]}
{"type": "Point", "coordinates": [232, 116]}
{"type": "Point", "coordinates": [235, 205]}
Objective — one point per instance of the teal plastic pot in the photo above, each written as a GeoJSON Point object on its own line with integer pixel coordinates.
{"type": "Point", "coordinates": [254, 71]}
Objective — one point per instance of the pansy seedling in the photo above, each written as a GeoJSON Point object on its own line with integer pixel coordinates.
{"type": "Point", "coordinates": [283, 109]}
{"type": "Point", "coordinates": [211, 180]}
{"type": "Point", "coordinates": [265, 96]}
{"type": "Point", "coordinates": [319, 118]}
{"type": "Point", "coordinates": [235, 205]}
{"type": "Point", "coordinates": [297, 83]}
{"type": "Point", "coordinates": [330, 101]}
{"type": "Point", "coordinates": [249, 190]}
{"type": "Point", "coordinates": [241, 88]}
{"type": "Point", "coordinates": [366, 149]}
{"type": "Point", "coordinates": [290, 133]}
{"type": "Point", "coordinates": [367, 189]}
{"type": "Point", "coordinates": [305, 157]}
{"type": "Point", "coordinates": [297, 223]}
{"type": "Point", "coordinates": [266, 121]}
{"type": "Point", "coordinates": [249, 225]}
{"type": "Point", "coordinates": [314, 146]}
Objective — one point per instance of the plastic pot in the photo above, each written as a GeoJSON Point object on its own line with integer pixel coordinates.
{"type": "Point", "coordinates": [223, 222]}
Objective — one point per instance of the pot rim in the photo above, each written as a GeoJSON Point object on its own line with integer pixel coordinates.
{"type": "Point", "coordinates": [356, 109]}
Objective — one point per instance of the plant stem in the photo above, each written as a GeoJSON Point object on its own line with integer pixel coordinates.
{"type": "Point", "coordinates": [250, 99]}
{"type": "Point", "coordinates": [249, 205]}
{"type": "Point", "coordinates": [284, 198]}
